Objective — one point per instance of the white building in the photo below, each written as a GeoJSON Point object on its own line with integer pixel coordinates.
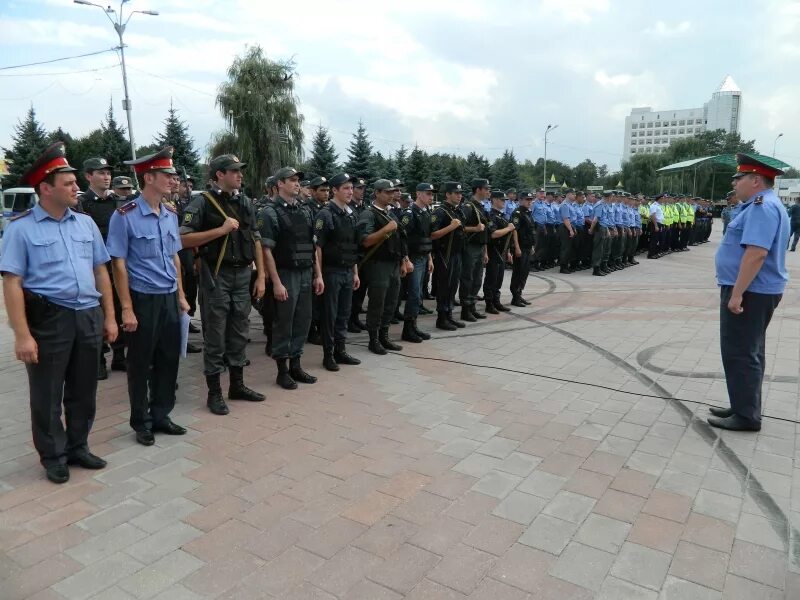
{"type": "Point", "coordinates": [651, 132]}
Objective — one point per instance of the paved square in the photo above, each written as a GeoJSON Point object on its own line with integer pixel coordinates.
{"type": "Point", "coordinates": [558, 451]}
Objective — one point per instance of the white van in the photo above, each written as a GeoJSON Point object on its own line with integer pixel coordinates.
{"type": "Point", "coordinates": [15, 201]}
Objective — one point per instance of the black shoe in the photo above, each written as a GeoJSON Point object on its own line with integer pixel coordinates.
{"type": "Point", "coordinates": [720, 412]}
{"type": "Point", "coordinates": [422, 334]}
{"type": "Point", "coordinates": [87, 460]}
{"type": "Point", "coordinates": [491, 309]}
{"type": "Point", "coordinates": [352, 327]}
{"type": "Point", "coordinates": [501, 307]}
{"type": "Point", "coordinates": [119, 365]}
{"type": "Point", "coordinates": [102, 370]}
{"type": "Point", "coordinates": [193, 328]}
{"type": "Point", "coordinates": [479, 298]}
{"type": "Point", "coordinates": [597, 272]}
{"type": "Point", "coordinates": [268, 348]}
{"type": "Point", "coordinates": [734, 423]}
{"type": "Point", "coordinates": [341, 356]}
{"type": "Point", "coordinates": [298, 373]}
{"type": "Point", "coordinates": [565, 270]}
{"type": "Point", "coordinates": [383, 337]}
{"type": "Point", "coordinates": [427, 296]}
{"type": "Point", "coordinates": [314, 336]}
{"type": "Point", "coordinates": [214, 400]}
{"type": "Point", "coordinates": [466, 315]}
{"type": "Point", "coordinates": [525, 302]}
{"type": "Point", "coordinates": [192, 348]}
{"type": "Point", "coordinates": [475, 313]}
{"type": "Point", "coordinates": [518, 302]}
{"type": "Point", "coordinates": [442, 322]}
{"type": "Point", "coordinates": [375, 345]}
{"type": "Point", "coordinates": [284, 379]}
{"type": "Point", "coordinates": [329, 362]}
{"type": "Point", "coordinates": [634, 262]}
{"type": "Point", "coordinates": [424, 311]}
{"type": "Point", "coordinates": [168, 427]}
{"type": "Point", "coordinates": [57, 473]}
{"type": "Point", "coordinates": [145, 437]}
{"type": "Point", "coordinates": [458, 324]}
{"type": "Point", "coordinates": [239, 391]}
{"type": "Point", "coordinates": [409, 335]}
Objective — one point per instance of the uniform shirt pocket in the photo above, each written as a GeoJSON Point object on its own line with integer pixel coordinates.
{"type": "Point", "coordinates": [82, 242]}
{"type": "Point", "coordinates": [44, 250]}
{"type": "Point", "coordinates": [148, 244]}
{"type": "Point", "coordinates": [171, 244]}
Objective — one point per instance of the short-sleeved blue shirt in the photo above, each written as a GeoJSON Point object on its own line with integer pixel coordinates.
{"type": "Point", "coordinates": [657, 212]}
{"type": "Point", "coordinates": [539, 212]}
{"type": "Point", "coordinates": [55, 258]}
{"type": "Point", "coordinates": [564, 212]}
{"type": "Point", "coordinates": [148, 241]}
{"type": "Point", "coordinates": [552, 213]}
{"type": "Point", "coordinates": [761, 221]}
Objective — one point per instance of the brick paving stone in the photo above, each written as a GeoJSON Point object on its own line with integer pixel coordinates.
{"type": "Point", "coordinates": [642, 566]}
{"type": "Point", "coordinates": [422, 508]}
{"type": "Point", "coordinates": [367, 590]}
{"type": "Point", "coordinates": [386, 536]}
{"type": "Point", "coordinates": [275, 540]}
{"type": "Point", "coordinates": [583, 565]}
{"type": "Point", "coordinates": [344, 570]}
{"type": "Point", "coordinates": [477, 465]}
{"type": "Point", "coordinates": [162, 542]}
{"type": "Point", "coordinates": [404, 485]}
{"type": "Point", "coordinates": [40, 548]}
{"type": "Point", "coordinates": [520, 507]}
{"type": "Point", "coordinates": [570, 507]}
{"type": "Point", "coordinates": [758, 563]}
{"type": "Point", "coordinates": [603, 533]}
{"type": "Point", "coordinates": [634, 482]}
{"type": "Point", "coordinates": [618, 589]}
{"type": "Point", "coordinates": [490, 589]}
{"type": "Point", "coordinates": [667, 505]}
{"type": "Point", "coordinates": [372, 508]}
{"type": "Point", "coordinates": [523, 567]}
{"type": "Point", "coordinates": [588, 483]}
{"type": "Point", "coordinates": [709, 532]}
{"type": "Point", "coordinates": [494, 535]}
{"type": "Point", "coordinates": [430, 590]}
{"type": "Point", "coordinates": [549, 534]}
{"type": "Point", "coordinates": [404, 569]}
{"type": "Point", "coordinates": [720, 506]}
{"type": "Point", "coordinates": [739, 588]}
{"type": "Point", "coordinates": [160, 575]}
{"type": "Point", "coordinates": [655, 532]}
{"type": "Point", "coordinates": [106, 544]}
{"type": "Point", "coordinates": [604, 463]}
{"type": "Point", "coordinates": [619, 505]}
{"type": "Point", "coordinates": [563, 465]}
{"type": "Point", "coordinates": [758, 530]}
{"type": "Point", "coordinates": [331, 537]}
{"type": "Point", "coordinates": [519, 464]}
{"type": "Point", "coordinates": [700, 565]}
{"type": "Point", "coordinates": [472, 507]}
{"type": "Point", "coordinates": [679, 589]}
{"type": "Point", "coordinates": [218, 542]}
{"type": "Point", "coordinates": [276, 577]}
{"type": "Point", "coordinates": [450, 484]}
{"type": "Point", "coordinates": [440, 535]}
{"type": "Point", "coordinates": [462, 568]}
{"type": "Point", "coordinates": [539, 483]}
{"type": "Point", "coordinates": [97, 577]}
{"type": "Point", "coordinates": [496, 484]}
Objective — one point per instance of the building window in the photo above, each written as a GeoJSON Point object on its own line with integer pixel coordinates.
{"type": "Point", "coordinates": [649, 133]}
{"type": "Point", "coordinates": [674, 123]}
{"type": "Point", "coordinates": [649, 141]}
{"type": "Point", "coordinates": [658, 123]}
{"type": "Point", "coordinates": [634, 126]}
{"type": "Point", "coordinates": [681, 122]}
{"type": "Point", "coordinates": [633, 151]}
{"type": "Point", "coordinates": [649, 125]}
{"type": "Point", "coordinates": [680, 131]}
{"type": "Point", "coordinates": [673, 131]}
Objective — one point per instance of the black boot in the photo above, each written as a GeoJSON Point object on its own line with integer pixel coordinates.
{"type": "Point", "coordinates": [517, 301]}
{"type": "Point", "coordinates": [442, 322]}
{"type": "Point", "coordinates": [328, 361]}
{"type": "Point", "coordinates": [375, 344]}
{"type": "Point", "coordinates": [424, 311]}
{"type": "Point", "coordinates": [297, 372]}
{"type": "Point", "coordinates": [501, 307]}
{"type": "Point", "coordinates": [490, 309]}
{"type": "Point", "coordinates": [598, 272]}
{"type": "Point", "coordinates": [268, 347]}
{"type": "Point", "coordinates": [409, 334]}
{"type": "Point", "coordinates": [466, 315]}
{"type": "Point", "coordinates": [342, 357]}
{"type": "Point", "coordinates": [118, 362]}
{"type": "Point", "coordinates": [458, 324]}
{"type": "Point", "coordinates": [475, 313]}
{"type": "Point", "coordinates": [422, 334]}
{"type": "Point", "coordinates": [284, 379]}
{"type": "Point", "coordinates": [237, 390]}
{"type": "Point", "coordinates": [102, 369]}
{"type": "Point", "coordinates": [352, 325]}
{"type": "Point", "coordinates": [383, 337]}
{"type": "Point", "coordinates": [214, 401]}
{"type": "Point", "coordinates": [314, 335]}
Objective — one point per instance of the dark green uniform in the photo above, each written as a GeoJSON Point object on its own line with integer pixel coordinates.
{"type": "Point", "coordinates": [472, 255]}
{"type": "Point", "coordinates": [523, 223]}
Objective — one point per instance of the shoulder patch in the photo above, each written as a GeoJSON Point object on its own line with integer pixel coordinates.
{"type": "Point", "coordinates": [20, 215]}
{"type": "Point", "coordinates": [434, 217]}
{"type": "Point", "coordinates": [319, 225]}
{"type": "Point", "coordinates": [125, 208]}
{"type": "Point", "coordinates": [187, 218]}
{"type": "Point", "coordinates": [406, 219]}
{"type": "Point", "coordinates": [759, 200]}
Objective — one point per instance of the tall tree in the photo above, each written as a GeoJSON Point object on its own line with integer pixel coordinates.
{"type": "Point", "coordinates": [505, 171]}
{"type": "Point", "coordinates": [400, 159]}
{"type": "Point", "coordinates": [416, 170]}
{"type": "Point", "coordinates": [359, 155]}
{"type": "Point", "coordinates": [176, 134]}
{"type": "Point", "coordinates": [259, 105]}
{"type": "Point", "coordinates": [323, 155]}
{"type": "Point", "coordinates": [29, 141]}
{"type": "Point", "coordinates": [115, 148]}
{"type": "Point", "coordinates": [584, 173]}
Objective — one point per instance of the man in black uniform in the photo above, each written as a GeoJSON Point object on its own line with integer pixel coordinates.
{"type": "Point", "coordinates": [266, 308]}
{"type": "Point", "coordinates": [416, 222]}
{"type": "Point", "coordinates": [385, 262]}
{"type": "Point", "coordinates": [123, 187]}
{"type": "Point", "coordinates": [500, 239]}
{"type": "Point", "coordinates": [447, 235]}
{"type": "Point", "coordinates": [100, 204]}
{"type": "Point", "coordinates": [357, 205]}
{"type": "Point", "coordinates": [187, 256]}
{"type": "Point", "coordinates": [320, 191]}
{"type": "Point", "coordinates": [474, 254]}
{"type": "Point", "coordinates": [287, 235]}
{"type": "Point", "coordinates": [222, 224]}
{"type": "Point", "coordinates": [335, 229]}
{"type": "Point", "coordinates": [523, 245]}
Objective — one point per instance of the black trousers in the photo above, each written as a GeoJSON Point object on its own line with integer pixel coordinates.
{"type": "Point", "coordinates": [471, 273]}
{"type": "Point", "coordinates": [493, 279]}
{"type": "Point", "coordinates": [225, 306]}
{"type": "Point", "coordinates": [540, 244]}
{"type": "Point", "coordinates": [383, 279]}
{"type": "Point", "coordinates": [742, 340]}
{"type": "Point", "coordinates": [446, 276]}
{"type": "Point", "coordinates": [189, 276]}
{"type": "Point", "coordinates": [153, 356]}
{"type": "Point", "coordinates": [520, 272]}
{"type": "Point", "coordinates": [655, 239]}
{"type": "Point", "coordinates": [566, 244]}
{"type": "Point", "coordinates": [336, 303]}
{"type": "Point", "coordinates": [69, 346]}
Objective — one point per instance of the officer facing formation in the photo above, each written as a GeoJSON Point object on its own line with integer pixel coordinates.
{"type": "Point", "coordinates": [447, 236]}
{"type": "Point", "coordinates": [337, 253]}
{"type": "Point", "coordinates": [54, 282]}
{"type": "Point", "coordinates": [221, 224]}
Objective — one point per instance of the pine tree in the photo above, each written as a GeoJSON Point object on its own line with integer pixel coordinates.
{"type": "Point", "coordinates": [30, 140]}
{"type": "Point", "coordinates": [323, 155]}
{"type": "Point", "coordinates": [416, 170]}
{"type": "Point", "coordinates": [505, 171]}
{"type": "Point", "coordinates": [176, 134]}
{"type": "Point", "coordinates": [359, 155]}
{"type": "Point", "coordinates": [116, 148]}
{"type": "Point", "coordinates": [400, 159]}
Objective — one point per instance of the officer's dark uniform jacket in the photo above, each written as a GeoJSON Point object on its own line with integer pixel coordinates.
{"type": "Point", "coordinates": [202, 215]}
{"type": "Point", "coordinates": [497, 221]}
{"type": "Point", "coordinates": [291, 236]}
{"type": "Point", "coordinates": [99, 209]}
{"type": "Point", "coordinates": [336, 235]}
{"type": "Point", "coordinates": [523, 223]}
{"type": "Point", "coordinates": [391, 249]}
{"type": "Point", "coordinates": [417, 224]}
{"type": "Point", "coordinates": [472, 214]}
{"type": "Point", "coordinates": [441, 218]}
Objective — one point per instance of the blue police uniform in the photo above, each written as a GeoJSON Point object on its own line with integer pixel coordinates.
{"type": "Point", "coordinates": [509, 208]}
{"type": "Point", "coordinates": [539, 212]}
{"type": "Point", "coordinates": [761, 222]}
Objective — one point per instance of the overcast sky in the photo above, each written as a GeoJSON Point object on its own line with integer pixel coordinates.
{"type": "Point", "coordinates": [448, 75]}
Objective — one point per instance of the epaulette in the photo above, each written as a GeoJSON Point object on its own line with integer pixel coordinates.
{"type": "Point", "coordinates": [759, 200]}
{"type": "Point", "coordinates": [169, 207]}
{"type": "Point", "coordinates": [20, 215]}
{"type": "Point", "coordinates": [125, 208]}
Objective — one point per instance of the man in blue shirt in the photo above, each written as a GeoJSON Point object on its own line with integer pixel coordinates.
{"type": "Point", "coordinates": [539, 216]}
{"type": "Point", "coordinates": [656, 248]}
{"type": "Point", "coordinates": [143, 241]}
{"type": "Point", "coordinates": [54, 281]}
{"type": "Point", "coordinates": [552, 230]}
{"type": "Point", "coordinates": [794, 222]}
{"type": "Point", "coordinates": [752, 275]}
{"type": "Point", "coordinates": [566, 233]}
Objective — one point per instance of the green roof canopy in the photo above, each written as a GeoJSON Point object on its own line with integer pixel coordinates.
{"type": "Point", "coordinates": [722, 160]}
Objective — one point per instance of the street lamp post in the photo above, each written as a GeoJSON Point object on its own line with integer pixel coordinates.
{"type": "Point", "coordinates": [119, 27]}
{"type": "Point", "coordinates": [775, 144]}
{"type": "Point", "coordinates": [546, 131]}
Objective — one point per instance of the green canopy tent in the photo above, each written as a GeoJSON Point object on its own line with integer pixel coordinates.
{"type": "Point", "coordinates": [726, 162]}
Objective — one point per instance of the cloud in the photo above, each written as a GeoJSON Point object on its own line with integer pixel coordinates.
{"type": "Point", "coordinates": [575, 10]}
{"type": "Point", "coordinates": [606, 80]}
{"type": "Point", "coordinates": [661, 29]}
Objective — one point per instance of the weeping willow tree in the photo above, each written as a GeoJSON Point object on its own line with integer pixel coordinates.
{"type": "Point", "coordinates": [260, 109]}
